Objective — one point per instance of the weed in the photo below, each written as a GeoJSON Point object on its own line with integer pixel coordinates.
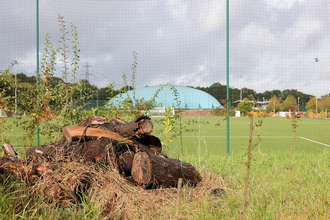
{"type": "Point", "coordinates": [248, 163]}
{"type": "Point", "coordinates": [294, 118]}
{"type": "Point", "coordinates": [222, 112]}
{"type": "Point", "coordinates": [168, 122]}
{"type": "Point", "coordinates": [55, 102]}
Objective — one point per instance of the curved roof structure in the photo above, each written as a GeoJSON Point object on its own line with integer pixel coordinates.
{"type": "Point", "coordinates": [190, 98]}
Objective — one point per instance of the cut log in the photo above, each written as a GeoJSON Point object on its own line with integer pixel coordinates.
{"type": "Point", "coordinates": [165, 171]}
{"type": "Point", "coordinates": [125, 163]}
{"type": "Point", "coordinates": [115, 121]}
{"type": "Point", "coordinates": [142, 168]}
{"type": "Point", "coordinates": [140, 127]}
{"type": "Point", "coordinates": [74, 133]}
{"type": "Point", "coordinates": [93, 121]}
{"type": "Point", "coordinates": [94, 150]}
{"type": "Point", "coordinates": [9, 152]}
{"type": "Point", "coordinates": [47, 150]}
{"type": "Point", "coordinates": [152, 142]}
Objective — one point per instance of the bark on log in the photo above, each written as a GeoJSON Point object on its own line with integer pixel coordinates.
{"type": "Point", "coordinates": [152, 142]}
{"type": "Point", "coordinates": [165, 171]}
{"type": "Point", "coordinates": [94, 150]}
{"type": "Point", "coordinates": [74, 133]}
{"type": "Point", "coordinates": [9, 152]}
{"type": "Point", "coordinates": [47, 150]}
{"type": "Point", "coordinates": [140, 127]}
{"type": "Point", "coordinates": [115, 121]}
{"type": "Point", "coordinates": [93, 121]}
{"type": "Point", "coordinates": [125, 163]}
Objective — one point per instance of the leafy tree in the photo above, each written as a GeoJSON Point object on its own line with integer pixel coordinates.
{"type": "Point", "coordinates": [274, 104]}
{"type": "Point", "coordinates": [311, 104]}
{"type": "Point", "coordinates": [290, 100]}
{"type": "Point", "coordinates": [278, 93]}
{"type": "Point", "coordinates": [253, 100]}
{"type": "Point", "coordinates": [325, 103]}
{"type": "Point", "coordinates": [245, 106]}
{"type": "Point", "coordinates": [267, 95]}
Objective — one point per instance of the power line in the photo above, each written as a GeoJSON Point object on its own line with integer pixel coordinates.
{"type": "Point", "coordinates": [87, 73]}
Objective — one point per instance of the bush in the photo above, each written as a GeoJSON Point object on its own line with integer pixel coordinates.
{"type": "Point", "coordinates": [245, 106]}
{"type": "Point", "coordinates": [223, 112]}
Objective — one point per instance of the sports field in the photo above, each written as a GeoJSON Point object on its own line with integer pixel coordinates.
{"type": "Point", "coordinates": [313, 135]}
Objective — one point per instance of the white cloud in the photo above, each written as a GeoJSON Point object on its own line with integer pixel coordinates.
{"type": "Point", "coordinates": [159, 32]}
{"type": "Point", "coordinates": [177, 9]}
{"type": "Point", "coordinates": [209, 15]}
{"type": "Point", "coordinates": [256, 38]}
{"type": "Point", "coordinates": [282, 4]}
{"type": "Point", "coordinates": [295, 37]}
{"type": "Point", "coordinates": [272, 43]}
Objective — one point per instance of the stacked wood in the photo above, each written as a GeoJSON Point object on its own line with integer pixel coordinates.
{"type": "Point", "coordinates": [128, 147]}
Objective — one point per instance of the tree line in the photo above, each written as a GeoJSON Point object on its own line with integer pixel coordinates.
{"type": "Point", "coordinates": [217, 90]}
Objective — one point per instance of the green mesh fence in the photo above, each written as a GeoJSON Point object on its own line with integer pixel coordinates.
{"type": "Point", "coordinates": [278, 50]}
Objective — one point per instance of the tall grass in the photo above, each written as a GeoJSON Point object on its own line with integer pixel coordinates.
{"type": "Point", "coordinates": [281, 187]}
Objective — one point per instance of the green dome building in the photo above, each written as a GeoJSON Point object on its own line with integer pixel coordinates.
{"type": "Point", "coordinates": [189, 98]}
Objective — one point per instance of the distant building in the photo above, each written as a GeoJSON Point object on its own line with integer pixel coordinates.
{"type": "Point", "coordinates": [259, 105]}
{"type": "Point", "coordinates": [189, 98]}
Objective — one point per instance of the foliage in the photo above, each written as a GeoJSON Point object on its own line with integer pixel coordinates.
{"type": "Point", "coordinates": [54, 106]}
{"type": "Point", "coordinates": [274, 104]}
{"type": "Point", "coordinates": [178, 116]}
{"type": "Point", "coordinates": [6, 105]}
{"type": "Point", "coordinates": [289, 101]}
{"type": "Point", "coordinates": [128, 108]}
{"type": "Point", "coordinates": [168, 122]}
{"type": "Point", "coordinates": [248, 162]}
{"type": "Point", "coordinates": [224, 113]}
{"type": "Point", "coordinates": [294, 118]}
{"type": "Point", "coordinates": [245, 106]}
{"type": "Point", "coordinates": [311, 104]}
{"type": "Point", "coordinates": [324, 103]}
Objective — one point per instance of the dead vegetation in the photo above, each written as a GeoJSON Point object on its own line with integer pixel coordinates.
{"type": "Point", "coordinates": [115, 165]}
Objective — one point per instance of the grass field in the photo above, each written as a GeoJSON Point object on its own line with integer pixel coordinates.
{"type": "Point", "coordinates": [276, 134]}
{"type": "Point", "coordinates": [282, 185]}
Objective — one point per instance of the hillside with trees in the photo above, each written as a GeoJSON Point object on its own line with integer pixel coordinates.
{"type": "Point", "coordinates": [217, 90]}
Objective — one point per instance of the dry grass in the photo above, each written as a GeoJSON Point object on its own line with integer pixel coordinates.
{"type": "Point", "coordinates": [281, 187]}
{"type": "Point", "coordinates": [74, 183]}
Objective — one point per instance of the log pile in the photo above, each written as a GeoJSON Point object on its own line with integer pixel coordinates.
{"type": "Point", "coordinates": [128, 148]}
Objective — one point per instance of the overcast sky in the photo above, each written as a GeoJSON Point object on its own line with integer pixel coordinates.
{"type": "Point", "coordinates": [273, 43]}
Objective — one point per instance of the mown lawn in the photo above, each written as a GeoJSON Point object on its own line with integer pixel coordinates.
{"type": "Point", "coordinates": [275, 133]}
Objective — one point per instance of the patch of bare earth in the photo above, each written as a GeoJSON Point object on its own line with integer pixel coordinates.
{"type": "Point", "coordinates": [196, 113]}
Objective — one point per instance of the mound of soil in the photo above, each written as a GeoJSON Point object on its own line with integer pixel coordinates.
{"type": "Point", "coordinates": [194, 113]}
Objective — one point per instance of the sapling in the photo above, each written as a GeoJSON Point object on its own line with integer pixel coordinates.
{"type": "Point", "coordinates": [178, 103]}
{"type": "Point", "coordinates": [5, 97]}
{"type": "Point", "coordinates": [223, 115]}
{"type": "Point", "coordinates": [55, 102]}
{"type": "Point", "coordinates": [168, 122]}
{"type": "Point", "coordinates": [294, 118]}
{"type": "Point", "coordinates": [248, 163]}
